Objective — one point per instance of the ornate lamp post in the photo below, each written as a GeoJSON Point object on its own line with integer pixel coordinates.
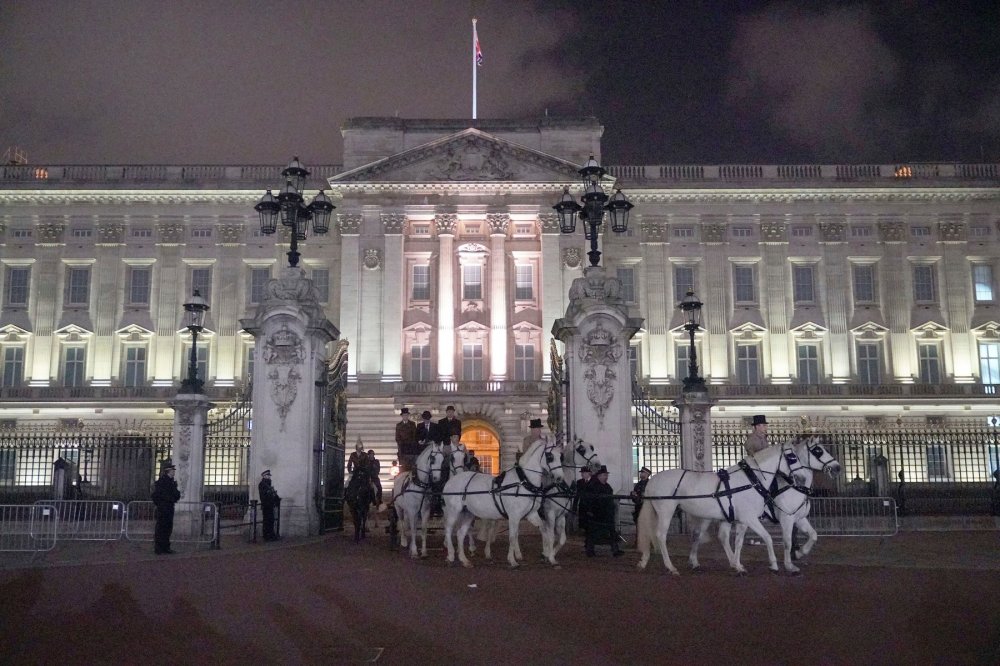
{"type": "Point", "coordinates": [691, 307]}
{"type": "Point", "coordinates": [591, 213]}
{"type": "Point", "coordinates": [294, 213]}
{"type": "Point", "coordinates": [195, 309]}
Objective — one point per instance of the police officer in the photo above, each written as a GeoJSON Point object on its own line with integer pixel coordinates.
{"type": "Point", "coordinates": [638, 491]}
{"type": "Point", "coordinates": [269, 501]}
{"type": "Point", "coordinates": [165, 496]}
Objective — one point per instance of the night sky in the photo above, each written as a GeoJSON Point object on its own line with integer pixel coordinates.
{"type": "Point", "coordinates": [213, 82]}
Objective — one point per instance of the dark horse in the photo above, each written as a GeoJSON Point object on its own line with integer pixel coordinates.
{"type": "Point", "coordinates": [359, 497]}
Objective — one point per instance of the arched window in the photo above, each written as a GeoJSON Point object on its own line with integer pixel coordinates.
{"type": "Point", "coordinates": [479, 437]}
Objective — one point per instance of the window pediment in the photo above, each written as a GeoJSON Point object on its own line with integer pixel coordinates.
{"type": "Point", "coordinates": [134, 333]}
{"type": "Point", "coordinates": [870, 331]}
{"type": "Point", "coordinates": [73, 333]}
{"type": "Point", "coordinates": [988, 331]}
{"type": "Point", "coordinates": [929, 331]}
{"type": "Point", "coordinates": [809, 331]}
{"type": "Point", "coordinates": [13, 334]}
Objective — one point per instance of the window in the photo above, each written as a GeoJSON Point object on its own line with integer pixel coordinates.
{"type": "Point", "coordinates": [472, 362]}
{"type": "Point", "coordinates": [16, 285]}
{"type": "Point", "coordinates": [633, 361]}
{"type": "Point", "coordinates": [473, 229]}
{"type": "Point", "coordinates": [139, 280]}
{"type": "Point", "coordinates": [937, 463]}
{"type": "Point", "coordinates": [201, 363]}
{"type": "Point", "coordinates": [74, 360]}
{"type": "Point", "coordinates": [141, 232]}
{"type": "Point", "coordinates": [81, 232]}
{"type": "Point", "coordinates": [744, 290]}
{"type": "Point", "coordinates": [472, 283]}
{"type": "Point", "coordinates": [801, 231]}
{"type": "Point", "coordinates": [989, 362]}
{"type": "Point", "coordinates": [803, 284]}
{"type": "Point", "coordinates": [683, 368]}
{"type": "Point", "coordinates": [258, 281]}
{"type": "Point", "coordinates": [683, 232]}
{"type": "Point", "coordinates": [864, 283]}
{"type": "Point", "coordinates": [861, 231]}
{"type": "Point", "coordinates": [808, 363]}
{"type": "Point", "coordinates": [8, 465]}
{"type": "Point", "coordinates": [420, 363]}
{"type": "Point", "coordinates": [742, 232]}
{"type": "Point", "coordinates": [524, 289]}
{"type": "Point", "coordinates": [321, 280]}
{"type": "Point", "coordinates": [21, 233]}
{"type": "Point", "coordinates": [135, 366]}
{"type": "Point", "coordinates": [201, 281]}
{"type": "Point", "coordinates": [627, 278]}
{"type": "Point", "coordinates": [920, 231]}
{"type": "Point", "coordinates": [526, 229]}
{"type": "Point", "coordinates": [930, 365]}
{"type": "Point", "coordinates": [747, 364]}
{"type": "Point", "coordinates": [993, 459]}
{"type": "Point", "coordinates": [77, 285]}
{"type": "Point", "coordinates": [524, 363]}
{"type": "Point", "coordinates": [421, 230]}
{"type": "Point", "coordinates": [868, 363]}
{"type": "Point", "coordinates": [979, 231]}
{"type": "Point", "coordinates": [683, 282]}
{"type": "Point", "coordinates": [982, 282]}
{"type": "Point", "coordinates": [13, 366]}
{"type": "Point", "coordinates": [250, 364]}
{"type": "Point", "coordinates": [421, 283]}
{"type": "Point", "coordinates": [201, 232]}
{"type": "Point", "coordinates": [923, 284]}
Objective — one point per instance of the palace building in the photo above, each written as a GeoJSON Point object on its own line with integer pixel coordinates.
{"type": "Point", "coordinates": [864, 292]}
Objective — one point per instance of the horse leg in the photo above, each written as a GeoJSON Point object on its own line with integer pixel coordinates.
{"type": "Point", "coordinates": [547, 536]}
{"type": "Point", "coordinates": [664, 515]}
{"type": "Point", "coordinates": [465, 522]}
{"type": "Point", "coordinates": [450, 518]}
{"type": "Point", "coordinates": [725, 529]}
{"type": "Point", "coordinates": [753, 522]}
{"type": "Point", "coordinates": [699, 537]}
{"type": "Point", "coordinates": [741, 531]}
{"type": "Point", "coordinates": [787, 523]}
{"type": "Point", "coordinates": [561, 531]}
{"type": "Point", "coordinates": [512, 547]}
{"type": "Point", "coordinates": [425, 511]}
{"type": "Point", "coordinates": [472, 537]}
{"type": "Point", "coordinates": [811, 536]}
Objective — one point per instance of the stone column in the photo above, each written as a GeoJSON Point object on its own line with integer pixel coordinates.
{"type": "Point", "coordinates": [350, 284]}
{"type": "Point", "coordinates": [190, 417]}
{"type": "Point", "coordinates": [446, 296]}
{"type": "Point", "coordinates": [393, 297]}
{"type": "Point", "coordinates": [550, 277]}
{"type": "Point", "coordinates": [694, 408]}
{"type": "Point", "coordinates": [291, 333]}
{"type": "Point", "coordinates": [498, 296]}
{"type": "Point", "coordinates": [596, 331]}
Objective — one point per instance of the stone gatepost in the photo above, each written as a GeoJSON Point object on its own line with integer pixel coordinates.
{"type": "Point", "coordinates": [694, 409]}
{"type": "Point", "coordinates": [291, 332]}
{"type": "Point", "coordinates": [190, 417]}
{"type": "Point", "coordinates": [596, 330]}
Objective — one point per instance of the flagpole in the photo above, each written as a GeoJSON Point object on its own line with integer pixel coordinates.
{"type": "Point", "coordinates": [475, 40]}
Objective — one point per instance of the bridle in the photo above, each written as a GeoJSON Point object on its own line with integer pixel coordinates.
{"type": "Point", "coordinates": [415, 477]}
{"type": "Point", "coordinates": [548, 458]}
{"type": "Point", "coordinates": [581, 451]}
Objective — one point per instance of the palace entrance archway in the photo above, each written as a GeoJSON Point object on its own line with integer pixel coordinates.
{"type": "Point", "coordinates": [478, 436]}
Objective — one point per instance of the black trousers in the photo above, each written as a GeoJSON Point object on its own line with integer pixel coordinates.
{"type": "Point", "coordinates": [268, 521]}
{"type": "Point", "coordinates": [164, 528]}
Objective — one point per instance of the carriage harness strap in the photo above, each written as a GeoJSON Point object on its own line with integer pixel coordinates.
{"type": "Point", "coordinates": [761, 490]}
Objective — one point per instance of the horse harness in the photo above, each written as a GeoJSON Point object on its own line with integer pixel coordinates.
{"type": "Point", "coordinates": [496, 492]}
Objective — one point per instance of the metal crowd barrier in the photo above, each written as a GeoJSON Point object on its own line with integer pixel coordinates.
{"type": "Point", "coordinates": [88, 520]}
{"type": "Point", "coordinates": [140, 522]}
{"type": "Point", "coordinates": [28, 528]}
{"type": "Point", "coordinates": [854, 516]}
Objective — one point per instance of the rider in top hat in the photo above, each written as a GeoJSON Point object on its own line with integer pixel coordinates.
{"type": "Point", "coordinates": [534, 434]}
{"type": "Point", "coordinates": [757, 440]}
{"type": "Point", "coordinates": [407, 445]}
{"type": "Point", "coordinates": [448, 426]}
{"type": "Point", "coordinates": [427, 431]}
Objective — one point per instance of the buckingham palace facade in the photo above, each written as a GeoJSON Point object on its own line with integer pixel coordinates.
{"type": "Point", "coordinates": [830, 291]}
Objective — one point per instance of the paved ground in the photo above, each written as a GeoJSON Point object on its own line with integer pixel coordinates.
{"type": "Point", "coordinates": [915, 598]}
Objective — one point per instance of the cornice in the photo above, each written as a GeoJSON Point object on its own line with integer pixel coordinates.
{"type": "Point", "coordinates": [824, 195]}
{"type": "Point", "coordinates": [128, 197]}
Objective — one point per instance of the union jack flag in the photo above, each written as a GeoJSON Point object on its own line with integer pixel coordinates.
{"type": "Point", "coordinates": [479, 50]}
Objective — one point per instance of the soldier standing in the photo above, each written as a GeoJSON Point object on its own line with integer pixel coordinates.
{"type": "Point", "coordinates": [269, 500]}
{"type": "Point", "coordinates": [165, 496]}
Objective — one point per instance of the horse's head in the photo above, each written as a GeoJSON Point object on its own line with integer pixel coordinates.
{"type": "Point", "coordinates": [581, 455]}
{"type": "Point", "coordinates": [430, 462]}
{"type": "Point", "coordinates": [459, 458]}
{"type": "Point", "coordinates": [552, 460]}
{"type": "Point", "coordinates": [808, 452]}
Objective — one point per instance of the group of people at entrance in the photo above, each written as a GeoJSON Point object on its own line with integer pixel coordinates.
{"type": "Point", "coordinates": [412, 438]}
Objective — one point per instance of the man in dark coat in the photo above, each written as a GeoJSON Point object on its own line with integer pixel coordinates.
{"type": "Point", "coordinates": [449, 426]}
{"type": "Point", "coordinates": [449, 433]}
{"type": "Point", "coordinates": [407, 445]}
{"type": "Point", "coordinates": [165, 495]}
{"type": "Point", "coordinates": [603, 514]}
{"type": "Point", "coordinates": [269, 501]}
{"type": "Point", "coordinates": [638, 491]}
{"type": "Point", "coordinates": [581, 498]}
{"type": "Point", "coordinates": [427, 431]}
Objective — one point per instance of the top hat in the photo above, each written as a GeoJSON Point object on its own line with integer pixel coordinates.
{"type": "Point", "coordinates": [646, 470]}
{"type": "Point", "coordinates": [404, 410]}
{"type": "Point", "coordinates": [759, 420]}
{"type": "Point", "coordinates": [603, 470]}
{"type": "Point", "coordinates": [266, 472]}
{"type": "Point", "coordinates": [425, 415]}
{"type": "Point", "coordinates": [535, 423]}
{"type": "Point", "coordinates": [585, 470]}
{"type": "Point", "coordinates": [449, 408]}
{"type": "Point", "coordinates": [167, 464]}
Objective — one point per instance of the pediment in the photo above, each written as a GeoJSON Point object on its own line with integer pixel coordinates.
{"type": "Point", "coordinates": [468, 156]}
{"type": "Point", "coordinates": [12, 333]}
{"type": "Point", "coordinates": [870, 330]}
{"type": "Point", "coordinates": [808, 330]}
{"type": "Point", "coordinates": [133, 333]}
{"type": "Point", "coordinates": [928, 331]}
{"type": "Point", "coordinates": [72, 333]}
{"type": "Point", "coordinates": [989, 330]}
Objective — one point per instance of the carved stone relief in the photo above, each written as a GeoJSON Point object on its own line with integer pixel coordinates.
{"type": "Point", "coordinates": [833, 232]}
{"type": "Point", "coordinates": [283, 350]}
{"type": "Point", "coordinates": [170, 232]}
{"type": "Point", "coordinates": [473, 158]}
{"type": "Point", "coordinates": [498, 222]}
{"type": "Point", "coordinates": [110, 232]}
{"type": "Point", "coordinates": [952, 231]}
{"type": "Point", "coordinates": [654, 230]}
{"type": "Point", "coordinates": [549, 222]}
{"type": "Point", "coordinates": [599, 353]}
{"type": "Point", "coordinates": [773, 232]}
{"type": "Point", "coordinates": [393, 223]}
{"type": "Point", "coordinates": [372, 259]}
{"type": "Point", "coordinates": [350, 223]}
{"type": "Point", "coordinates": [446, 223]}
{"type": "Point", "coordinates": [50, 232]}
{"type": "Point", "coordinates": [891, 231]}
{"type": "Point", "coordinates": [230, 232]}
{"type": "Point", "coordinates": [713, 233]}
{"type": "Point", "coordinates": [572, 256]}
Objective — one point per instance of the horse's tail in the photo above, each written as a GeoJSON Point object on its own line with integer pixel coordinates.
{"type": "Point", "coordinates": [646, 529]}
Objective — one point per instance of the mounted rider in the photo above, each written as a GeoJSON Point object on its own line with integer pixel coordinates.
{"type": "Point", "coordinates": [534, 434]}
{"type": "Point", "coordinates": [449, 434]}
{"type": "Point", "coordinates": [407, 444]}
{"type": "Point", "coordinates": [757, 439]}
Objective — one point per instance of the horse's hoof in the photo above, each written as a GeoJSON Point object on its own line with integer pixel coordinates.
{"type": "Point", "coordinates": [423, 556]}
{"type": "Point", "coordinates": [696, 569]}
{"type": "Point", "coordinates": [742, 573]}
{"type": "Point", "coordinates": [556, 565]}
{"type": "Point", "coordinates": [467, 565]}
{"type": "Point", "coordinates": [794, 572]}
{"type": "Point", "coordinates": [675, 572]}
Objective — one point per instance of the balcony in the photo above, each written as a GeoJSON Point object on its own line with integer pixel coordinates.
{"type": "Point", "coordinates": [106, 394]}
{"type": "Point", "coordinates": [842, 392]}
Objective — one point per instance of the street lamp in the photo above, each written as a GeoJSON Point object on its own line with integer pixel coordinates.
{"type": "Point", "coordinates": [195, 309]}
{"type": "Point", "coordinates": [591, 213]}
{"type": "Point", "coordinates": [292, 210]}
{"type": "Point", "coordinates": [691, 306]}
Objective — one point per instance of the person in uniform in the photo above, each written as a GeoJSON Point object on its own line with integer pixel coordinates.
{"type": "Point", "coordinates": [602, 514]}
{"type": "Point", "coordinates": [638, 491]}
{"type": "Point", "coordinates": [534, 434]}
{"type": "Point", "coordinates": [358, 457]}
{"type": "Point", "coordinates": [580, 498]}
{"type": "Point", "coordinates": [757, 440]}
{"type": "Point", "coordinates": [407, 446]}
{"type": "Point", "coordinates": [165, 496]}
{"type": "Point", "coordinates": [269, 501]}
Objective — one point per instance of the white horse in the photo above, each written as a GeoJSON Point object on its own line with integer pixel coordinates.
{"type": "Point", "coordinates": [514, 495]}
{"type": "Point", "coordinates": [738, 493]}
{"type": "Point", "coordinates": [411, 496]}
{"type": "Point", "coordinates": [791, 506]}
{"type": "Point", "coordinates": [558, 500]}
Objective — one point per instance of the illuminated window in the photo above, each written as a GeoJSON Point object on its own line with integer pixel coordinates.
{"type": "Point", "coordinates": [748, 364]}
{"type": "Point", "coordinates": [135, 366]}
{"type": "Point", "coordinates": [861, 231]}
{"type": "Point", "coordinates": [13, 366]}
{"type": "Point", "coordinates": [801, 231]}
{"type": "Point", "coordinates": [864, 283]}
{"type": "Point", "coordinates": [201, 232]}
{"type": "Point", "coordinates": [982, 283]}
{"type": "Point", "coordinates": [633, 360]}
{"type": "Point", "coordinates": [420, 363]}
{"type": "Point", "coordinates": [742, 232]}
{"type": "Point", "coordinates": [74, 366]}
{"type": "Point", "coordinates": [938, 468]}
{"type": "Point", "coordinates": [744, 288]}
{"type": "Point", "coordinates": [472, 362]}
{"type": "Point", "coordinates": [807, 357]}
{"type": "Point", "coordinates": [201, 281]}
{"type": "Point", "coordinates": [525, 287]}
{"type": "Point", "coordinates": [321, 280]}
{"type": "Point", "coordinates": [683, 282]}
{"type": "Point", "coordinates": [627, 277]}
{"type": "Point", "coordinates": [924, 287]}
{"type": "Point", "coordinates": [929, 363]}
{"type": "Point", "coordinates": [141, 232]}
{"type": "Point", "coordinates": [21, 233]}
{"type": "Point", "coordinates": [683, 232]}
{"type": "Point", "coordinates": [803, 283]}
{"type": "Point", "coordinates": [524, 363]}
{"type": "Point", "coordinates": [869, 363]}
{"type": "Point", "coordinates": [420, 282]}
{"type": "Point", "coordinates": [920, 231]}
{"type": "Point", "coordinates": [683, 356]}
{"type": "Point", "coordinates": [258, 280]}
{"type": "Point", "coordinates": [472, 282]}
{"type": "Point", "coordinates": [16, 285]}
{"type": "Point", "coordinates": [989, 363]}
{"type": "Point", "coordinates": [81, 232]}
{"type": "Point", "coordinates": [77, 286]}
{"type": "Point", "coordinates": [139, 282]}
